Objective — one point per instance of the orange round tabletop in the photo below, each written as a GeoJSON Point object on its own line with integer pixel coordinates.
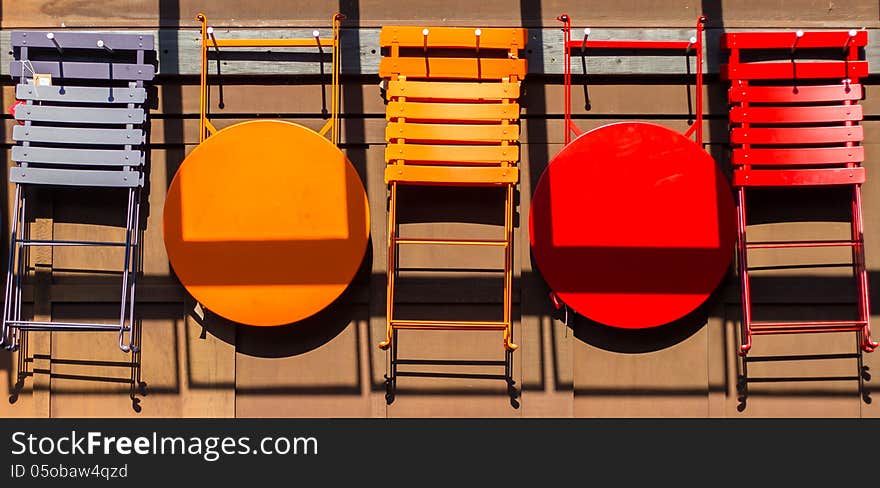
{"type": "Point", "coordinates": [266, 223]}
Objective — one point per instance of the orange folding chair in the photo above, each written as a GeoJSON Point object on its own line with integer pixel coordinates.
{"type": "Point", "coordinates": [452, 121]}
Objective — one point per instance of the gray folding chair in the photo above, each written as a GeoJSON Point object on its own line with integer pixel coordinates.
{"type": "Point", "coordinates": [84, 128]}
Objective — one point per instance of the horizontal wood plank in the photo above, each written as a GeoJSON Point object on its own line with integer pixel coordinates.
{"type": "Point", "coordinates": [179, 52]}
{"type": "Point", "coordinates": [376, 13]}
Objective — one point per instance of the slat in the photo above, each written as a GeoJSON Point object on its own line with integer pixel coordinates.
{"type": "Point", "coordinates": [81, 115]}
{"type": "Point", "coordinates": [630, 44]}
{"type": "Point", "coordinates": [61, 326]}
{"type": "Point", "coordinates": [799, 177]}
{"type": "Point", "coordinates": [453, 68]}
{"type": "Point", "coordinates": [449, 242]}
{"type": "Point", "coordinates": [451, 175]}
{"type": "Point", "coordinates": [66, 177]}
{"type": "Point", "coordinates": [796, 135]}
{"type": "Point", "coordinates": [278, 42]}
{"type": "Point", "coordinates": [452, 111]}
{"type": "Point", "coordinates": [795, 94]}
{"type": "Point", "coordinates": [453, 90]}
{"type": "Point", "coordinates": [76, 135]}
{"type": "Point", "coordinates": [453, 37]}
{"type": "Point", "coordinates": [70, 156]}
{"type": "Point", "coordinates": [81, 40]}
{"type": "Point", "coordinates": [800, 70]}
{"type": "Point", "coordinates": [452, 132]}
{"type": "Point", "coordinates": [796, 115]}
{"type": "Point", "coordinates": [799, 157]}
{"type": "Point", "coordinates": [451, 153]}
{"type": "Point", "coordinates": [80, 94]}
{"type": "Point", "coordinates": [447, 325]}
{"type": "Point", "coordinates": [785, 40]}
{"type": "Point", "coordinates": [89, 71]}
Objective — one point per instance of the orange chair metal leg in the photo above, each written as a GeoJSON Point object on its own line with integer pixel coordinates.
{"type": "Point", "coordinates": [508, 270]}
{"type": "Point", "coordinates": [391, 267]}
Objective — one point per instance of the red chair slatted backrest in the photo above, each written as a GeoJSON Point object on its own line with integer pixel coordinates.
{"type": "Point", "coordinates": [794, 113]}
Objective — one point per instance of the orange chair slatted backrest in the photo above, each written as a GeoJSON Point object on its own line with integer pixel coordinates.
{"type": "Point", "coordinates": [452, 104]}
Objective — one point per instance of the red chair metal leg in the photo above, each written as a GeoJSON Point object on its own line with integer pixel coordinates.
{"type": "Point", "coordinates": [743, 268]}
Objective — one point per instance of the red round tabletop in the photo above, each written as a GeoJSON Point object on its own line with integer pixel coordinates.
{"type": "Point", "coordinates": [632, 225]}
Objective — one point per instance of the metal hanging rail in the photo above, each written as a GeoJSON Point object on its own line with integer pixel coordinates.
{"type": "Point", "coordinates": [693, 44]}
{"type": "Point", "coordinates": [206, 128]}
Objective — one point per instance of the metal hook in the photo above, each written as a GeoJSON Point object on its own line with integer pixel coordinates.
{"type": "Point", "coordinates": [210, 31]}
{"type": "Point", "coordinates": [104, 46]}
{"type": "Point", "coordinates": [797, 37]}
{"type": "Point", "coordinates": [849, 39]}
{"type": "Point", "coordinates": [51, 37]}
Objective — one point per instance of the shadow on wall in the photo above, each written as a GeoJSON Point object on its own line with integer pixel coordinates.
{"type": "Point", "coordinates": [636, 341]}
{"type": "Point", "coordinates": [314, 332]}
{"type": "Point", "coordinates": [819, 205]}
{"type": "Point", "coordinates": [297, 338]}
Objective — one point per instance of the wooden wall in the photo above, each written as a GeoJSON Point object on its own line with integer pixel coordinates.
{"type": "Point", "coordinates": [197, 365]}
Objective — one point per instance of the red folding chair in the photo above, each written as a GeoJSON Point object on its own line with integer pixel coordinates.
{"type": "Point", "coordinates": [794, 123]}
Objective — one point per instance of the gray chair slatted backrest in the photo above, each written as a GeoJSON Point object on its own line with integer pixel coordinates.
{"type": "Point", "coordinates": [88, 127]}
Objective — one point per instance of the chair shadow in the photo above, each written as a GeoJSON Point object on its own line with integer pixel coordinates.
{"type": "Point", "coordinates": [743, 379]}
{"type": "Point", "coordinates": [862, 375]}
{"type": "Point", "coordinates": [394, 373]}
{"type": "Point", "coordinates": [638, 341]}
{"type": "Point", "coordinates": [137, 387]}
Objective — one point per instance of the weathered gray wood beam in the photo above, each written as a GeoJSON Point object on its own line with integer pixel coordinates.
{"type": "Point", "coordinates": [179, 53]}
